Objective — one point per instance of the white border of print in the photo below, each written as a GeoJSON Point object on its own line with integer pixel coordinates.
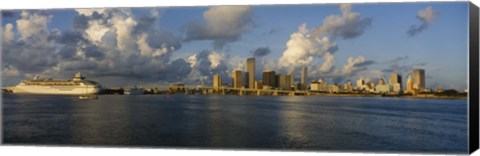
{"type": "Point", "coordinates": [82, 151]}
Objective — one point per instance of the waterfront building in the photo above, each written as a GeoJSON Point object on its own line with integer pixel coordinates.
{"type": "Point", "coordinates": [419, 79]}
{"type": "Point", "coordinates": [303, 81]}
{"type": "Point", "coordinates": [269, 79]}
{"type": "Point", "coordinates": [290, 81]}
{"type": "Point", "coordinates": [250, 69]}
{"type": "Point", "coordinates": [396, 88]}
{"type": "Point", "coordinates": [298, 86]}
{"type": "Point", "coordinates": [396, 82]}
{"type": "Point", "coordinates": [360, 84]}
{"type": "Point", "coordinates": [348, 87]}
{"type": "Point", "coordinates": [245, 80]}
{"type": "Point", "coordinates": [284, 82]}
{"type": "Point", "coordinates": [258, 85]}
{"type": "Point", "coordinates": [371, 84]}
{"type": "Point", "coordinates": [237, 80]}
{"type": "Point", "coordinates": [333, 88]}
{"type": "Point", "coordinates": [409, 85]}
{"type": "Point", "coordinates": [439, 90]}
{"type": "Point", "coordinates": [217, 81]}
{"type": "Point", "coordinates": [370, 87]}
{"type": "Point", "coordinates": [381, 81]}
{"type": "Point", "coordinates": [383, 88]}
{"type": "Point", "coordinates": [277, 81]}
{"type": "Point", "coordinates": [318, 86]}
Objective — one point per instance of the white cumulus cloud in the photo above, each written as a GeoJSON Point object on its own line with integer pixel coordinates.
{"type": "Point", "coordinates": [8, 34]}
{"type": "Point", "coordinates": [223, 24]}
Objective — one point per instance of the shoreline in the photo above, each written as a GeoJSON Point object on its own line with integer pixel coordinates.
{"type": "Point", "coordinates": [394, 96]}
{"type": "Point", "coordinates": [421, 96]}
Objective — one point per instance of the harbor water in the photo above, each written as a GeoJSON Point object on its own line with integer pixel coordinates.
{"type": "Point", "coordinates": [239, 122]}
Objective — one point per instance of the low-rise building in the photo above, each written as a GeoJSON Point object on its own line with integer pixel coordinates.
{"type": "Point", "coordinates": [319, 86]}
{"type": "Point", "coordinates": [383, 88]}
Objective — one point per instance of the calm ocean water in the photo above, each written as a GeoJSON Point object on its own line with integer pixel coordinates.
{"type": "Point", "coordinates": [246, 122]}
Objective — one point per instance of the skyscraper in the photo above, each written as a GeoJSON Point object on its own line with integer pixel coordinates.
{"type": "Point", "coordinates": [284, 82]}
{"type": "Point", "coordinates": [396, 82]}
{"type": "Point", "coordinates": [418, 79]}
{"type": "Point", "coordinates": [409, 85]}
{"type": "Point", "coordinates": [237, 79]}
{"type": "Point", "coordinates": [269, 78]}
{"type": "Point", "coordinates": [290, 80]}
{"type": "Point", "coordinates": [303, 81]}
{"type": "Point", "coordinates": [360, 83]}
{"type": "Point", "coordinates": [217, 81]}
{"type": "Point", "coordinates": [250, 68]}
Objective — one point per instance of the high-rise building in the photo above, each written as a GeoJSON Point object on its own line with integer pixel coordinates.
{"type": "Point", "coordinates": [245, 79]}
{"type": "Point", "coordinates": [237, 79]}
{"type": "Point", "coordinates": [304, 81]}
{"type": "Point", "coordinates": [419, 79]}
{"type": "Point", "coordinates": [277, 81]}
{"type": "Point", "coordinates": [269, 78]}
{"type": "Point", "coordinates": [284, 82]}
{"type": "Point", "coordinates": [409, 84]}
{"type": "Point", "coordinates": [217, 81]}
{"type": "Point", "coordinates": [250, 68]}
{"type": "Point", "coordinates": [396, 81]}
{"type": "Point", "coordinates": [290, 81]}
{"type": "Point", "coordinates": [360, 83]}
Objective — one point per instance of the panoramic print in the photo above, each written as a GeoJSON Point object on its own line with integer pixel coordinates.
{"type": "Point", "coordinates": [382, 77]}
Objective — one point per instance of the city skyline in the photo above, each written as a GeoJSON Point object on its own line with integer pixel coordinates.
{"type": "Point", "coordinates": [338, 43]}
{"type": "Point", "coordinates": [282, 81]}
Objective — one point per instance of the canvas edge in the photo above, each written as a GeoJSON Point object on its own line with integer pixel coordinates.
{"type": "Point", "coordinates": [473, 107]}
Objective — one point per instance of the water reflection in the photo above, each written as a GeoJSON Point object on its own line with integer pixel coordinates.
{"type": "Point", "coordinates": [278, 122]}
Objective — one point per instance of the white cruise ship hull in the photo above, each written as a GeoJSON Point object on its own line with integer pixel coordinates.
{"type": "Point", "coordinates": [56, 90]}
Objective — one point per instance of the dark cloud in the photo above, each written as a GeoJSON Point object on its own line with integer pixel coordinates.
{"type": "Point", "coordinates": [68, 37]}
{"type": "Point", "coordinates": [402, 65]}
{"type": "Point", "coordinates": [364, 64]}
{"type": "Point", "coordinates": [145, 23]}
{"type": "Point", "coordinates": [414, 30]}
{"type": "Point", "coordinates": [164, 39]}
{"type": "Point", "coordinates": [261, 51]}
{"type": "Point", "coordinates": [272, 31]}
{"type": "Point", "coordinates": [426, 16]}
{"type": "Point", "coordinates": [7, 14]}
{"type": "Point", "coordinates": [28, 57]}
{"type": "Point", "coordinates": [67, 52]}
{"type": "Point", "coordinates": [80, 22]}
{"type": "Point", "coordinates": [353, 29]}
{"type": "Point", "coordinates": [93, 51]}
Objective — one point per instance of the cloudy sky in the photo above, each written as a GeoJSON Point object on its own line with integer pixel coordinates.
{"type": "Point", "coordinates": [145, 46]}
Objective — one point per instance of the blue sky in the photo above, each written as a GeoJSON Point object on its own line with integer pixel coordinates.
{"type": "Point", "coordinates": [380, 38]}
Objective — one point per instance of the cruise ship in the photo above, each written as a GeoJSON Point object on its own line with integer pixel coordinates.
{"type": "Point", "coordinates": [76, 86]}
